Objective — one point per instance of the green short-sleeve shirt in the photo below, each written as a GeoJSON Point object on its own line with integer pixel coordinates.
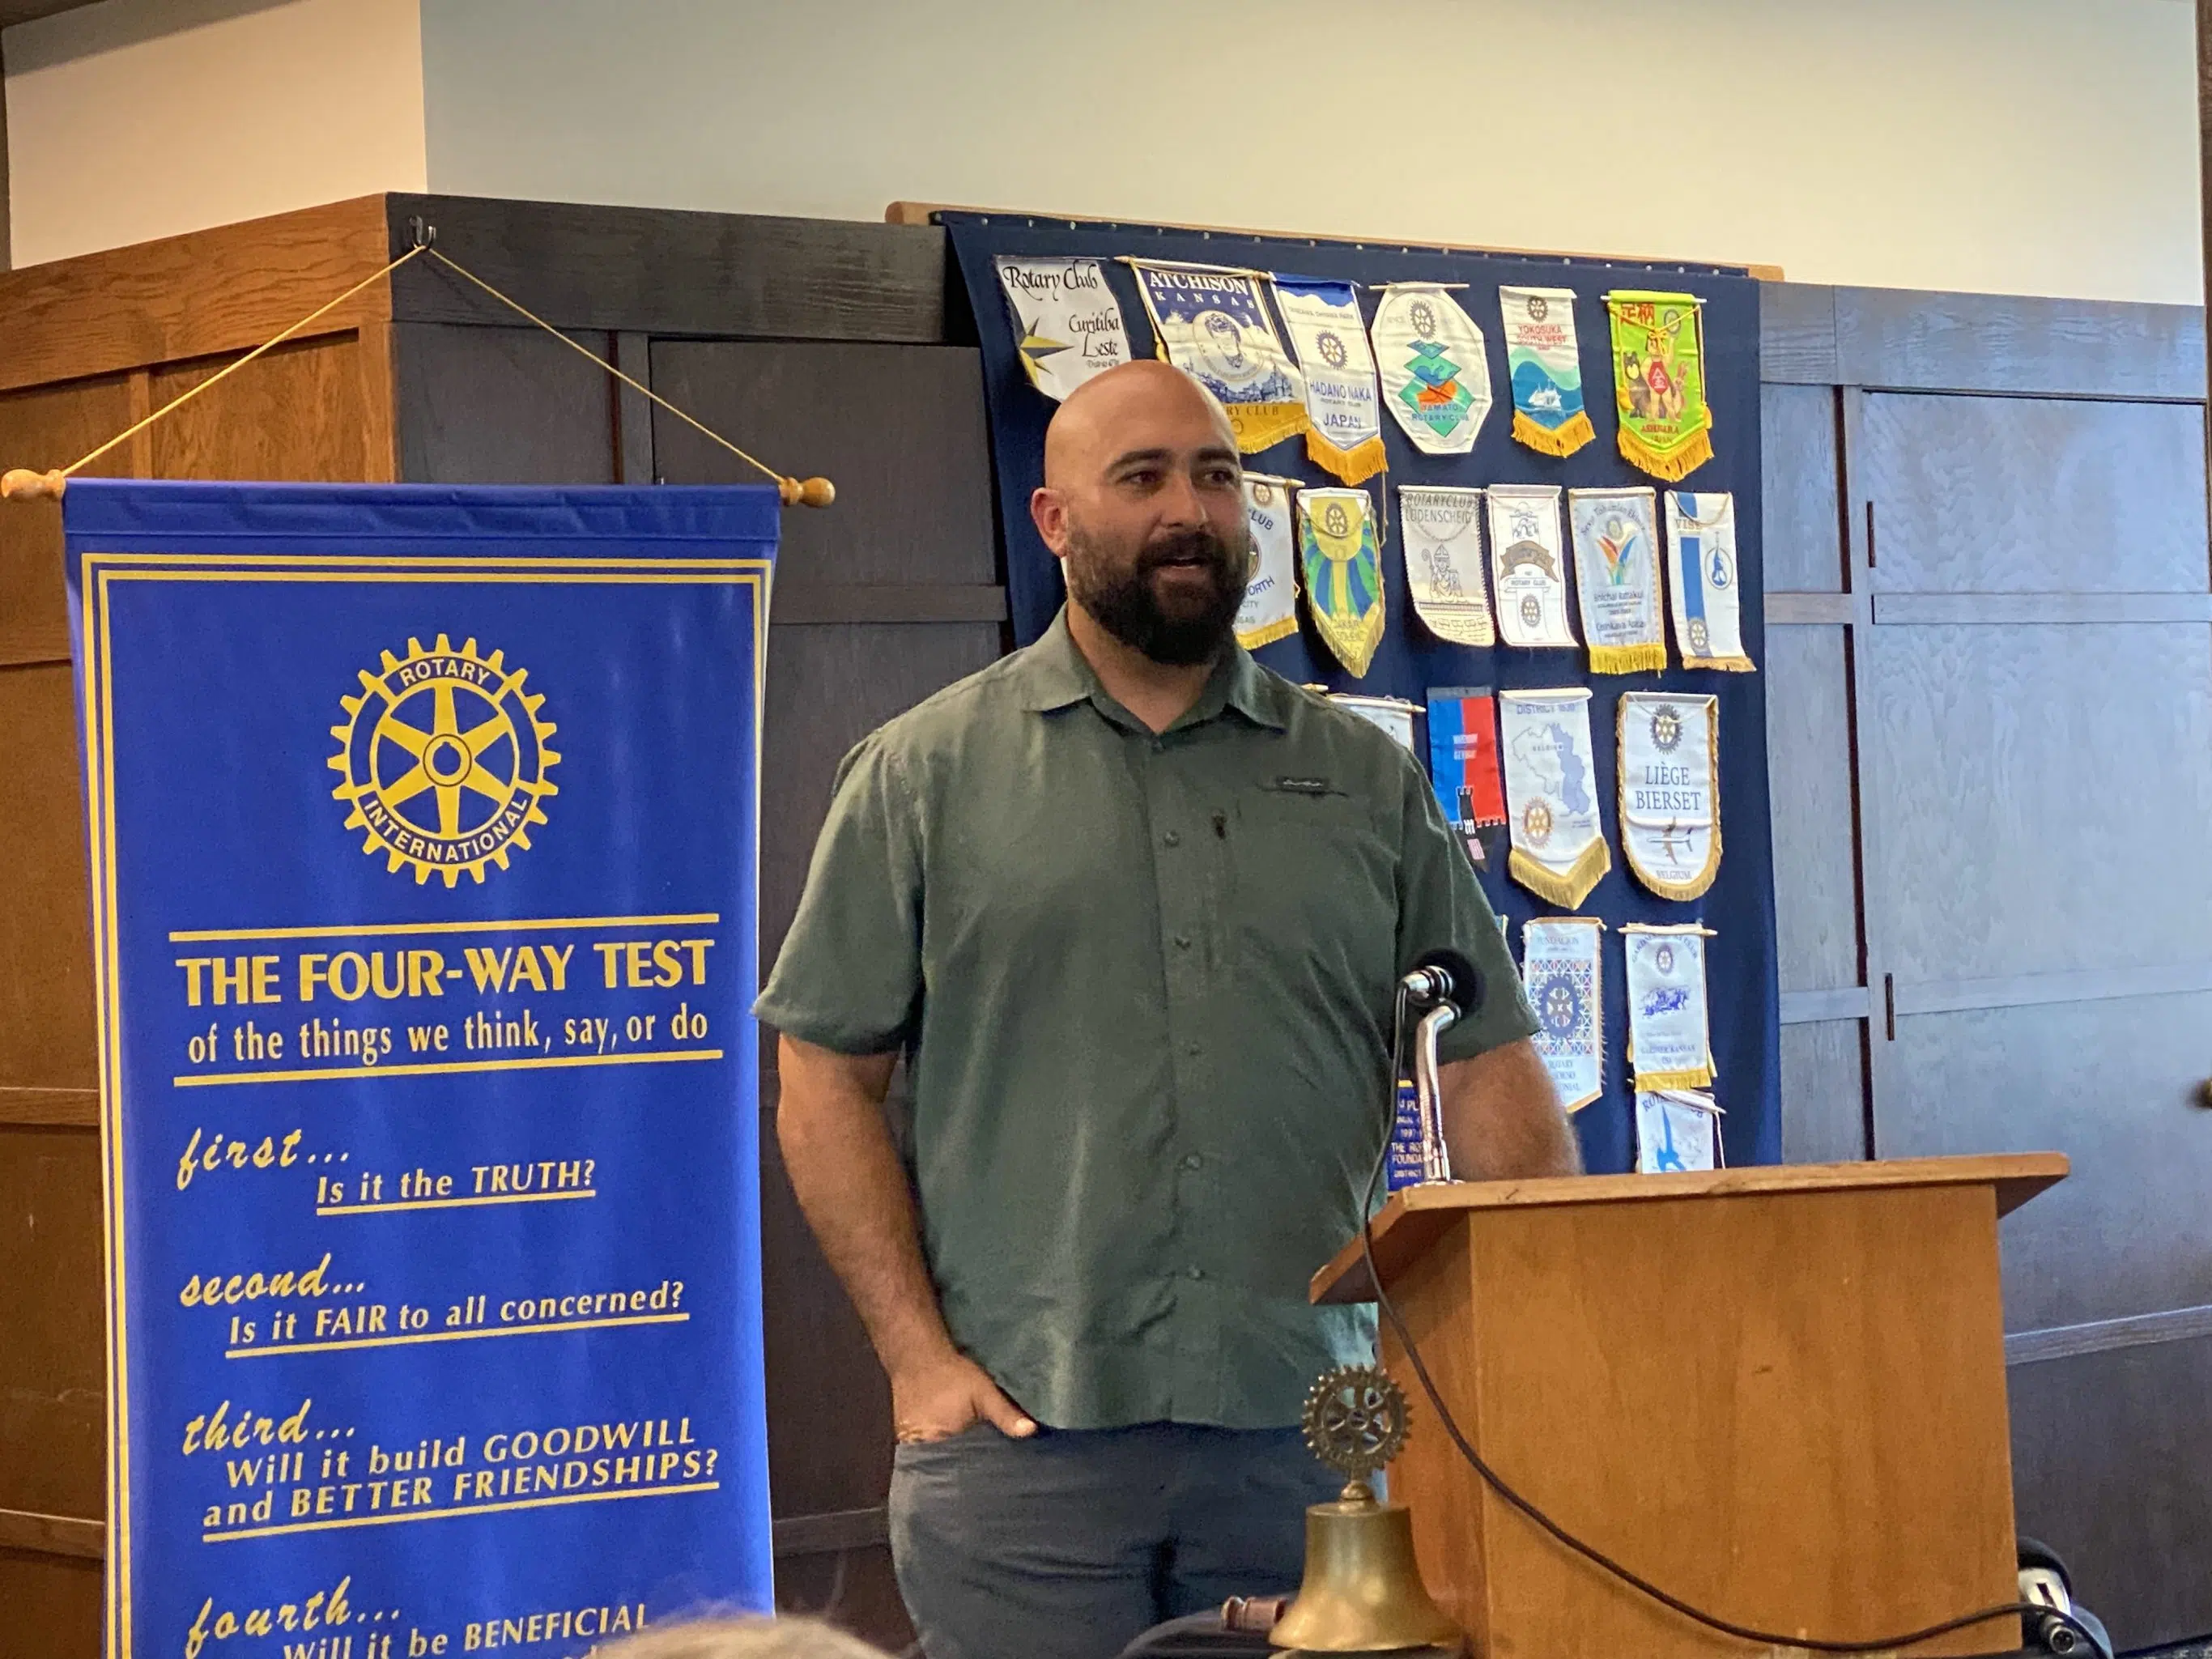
{"type": "Point", "coordinates": [1145, 984]}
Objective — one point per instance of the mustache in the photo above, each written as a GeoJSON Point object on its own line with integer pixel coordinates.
{"type": "Point", "coordinates": [1198, 544]}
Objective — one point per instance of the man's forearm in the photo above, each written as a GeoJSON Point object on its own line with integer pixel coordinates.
{"type": "Point", "coordinates": [1503, 1118]}
{"type": "Point", "coordinates": [839, 1154]}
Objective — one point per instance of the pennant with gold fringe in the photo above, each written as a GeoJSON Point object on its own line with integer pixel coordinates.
{"type": "Point", "coordinates": [1703, 585]}
{"type": "Point", "coordinates": [1211, 323]}
{"type": "Point", "coordinates": [1342, 562]}
{"type": "Point", "coordinates": [1344, 434]}
{"type": "Point", "coordinates": [1563, 972]}
{"type": "Point", "coordinates": [1669, 760]}
{"type": "Point", "coordinates": [1659, 381]}
{"type": "Point", "coordinates": [1543, 359]}
{"type": "Point", "coordinates": [1617, 579]}
{"type": "Point", "coordinates": [1669, 1041]}
{"type": "Point", "coordinates": [1270, 610]}
{"type": "Point", "coordinates": [1551, 793]}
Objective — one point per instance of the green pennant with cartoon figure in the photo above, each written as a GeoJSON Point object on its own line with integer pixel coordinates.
{"type": "Point", "coordinates": [1659, 381]}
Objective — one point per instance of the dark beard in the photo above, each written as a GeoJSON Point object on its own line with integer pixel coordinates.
{"type": "Point", "coordinates": [1124, 603]}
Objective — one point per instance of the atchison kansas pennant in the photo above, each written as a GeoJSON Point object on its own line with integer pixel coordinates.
{"type": "Point", "coordinates": [1443, 531]}
{"type": "Point", "coordinates": [1704, 580]}
{"type": "Point", "coordinates": [1669, 760]}
{"type": "Point", "coordinates": [1528, 564]}
{"type": "Point", "coordinates": [1562, 970]}
{"type": "Point", "coordinates": [1270, 610]}
{"type": "Point", "coordinates": [1344, 434]}
{"type": "Point", "coordinates": [1213, 324]}
{"type": "Point", "coordinates": [1435, 376]}
{"type": "Point", "coordinates": [1067, 323]}
{"type": "Point", "coordinates": [1617, 579]}
{"type": "Point", "coordinates": [1551, 793]}
{"type": "Point", "coordinates": [1338, 552]}
{"type": "Point", "coordinates": [1543, 360]}
{"type": "Point", "coordinates": [1669, 1044]}
{"type": "Point", "coordinates": [1659, 382]}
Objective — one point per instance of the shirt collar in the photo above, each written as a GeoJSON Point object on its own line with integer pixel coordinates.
{"type": "Point", "coordinates": [1052, 674]}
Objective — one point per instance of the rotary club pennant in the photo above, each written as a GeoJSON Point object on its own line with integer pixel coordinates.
{"type": "Point", "coordinates": [1528, 564]}
{"type": "Point", "coordinates": [1343, 571]}
{"type": "Point", "coordinates": [1392, 716]}
{"type": "Point", "coordinates": [1436, 377]}
{"type": "Point", "coordinates": [1562, 972]}
{"type": "Point", "coordinates": [1270, 610]}
{"type": "Point", "coordinates": [1543, 361]}
{"type": "Point", "coordinates": [1659, 381]}
{"type": "Point", "coordinates": [1442, 530]}
{"type": "Point", "coordinates": [1703, 580]}
{"type": "Point", "coordinates": [1617, 579]}
{"type": "Point", "coordinates": [1677, 1129]}
{"type": "Point", "coordinates": [1668, 762]}
{"type": "Point", "coordinates": [1067, 319]}
{"type": "Point", "coordinates": [1669, 1045]}
{"type": "Point", "coordinates": [1463, 766]}
{"type": "Point", "coordinates": [1550, 794]}
{"type": "Point", "coordinates": [1344, 431]}
{"type": "Point", "coordinates": [1213, 325]}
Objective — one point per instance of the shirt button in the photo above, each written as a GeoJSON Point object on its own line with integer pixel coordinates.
{"type": "Point", "coordinates": [1183, 941]}
{"type": "Point", "coordinates": [1172, 838]}
{"type": "Point", "coordinates": [1193, 1161]}
{"type": "Point", "coordinates": [1194, 1273]}
{"type": "Point", "coordinates": [1193, 1049]}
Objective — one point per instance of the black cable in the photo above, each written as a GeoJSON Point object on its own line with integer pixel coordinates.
{"type": "Point", "coordinates": [1590, 1552]}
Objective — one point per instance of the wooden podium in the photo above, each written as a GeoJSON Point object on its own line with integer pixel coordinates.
{"type": "Point", "coordinates": [1776, 1392]}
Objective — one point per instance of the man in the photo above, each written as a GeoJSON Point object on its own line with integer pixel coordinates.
{"type": "Point", "coordinates": [1135, 909]}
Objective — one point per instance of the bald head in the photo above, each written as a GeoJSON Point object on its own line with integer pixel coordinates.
{"type": "Point", "coordinates": [1142, 404]}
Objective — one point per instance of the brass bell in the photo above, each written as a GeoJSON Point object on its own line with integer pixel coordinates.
{"type": "Point", "coordinates": [1362, 1591]}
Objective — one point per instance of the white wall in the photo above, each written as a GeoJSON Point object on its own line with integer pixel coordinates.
{"type": "Point", "coordinates": [138, 118]}
{"type": "Point", "coordinates": [2044, 146]}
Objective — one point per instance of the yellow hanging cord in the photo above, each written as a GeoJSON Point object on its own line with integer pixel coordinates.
{"type": "Point", "coordinates": [23, 484]}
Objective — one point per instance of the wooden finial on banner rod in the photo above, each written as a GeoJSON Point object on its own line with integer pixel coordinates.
{"type": "Point", "coordinates": [22, 485]}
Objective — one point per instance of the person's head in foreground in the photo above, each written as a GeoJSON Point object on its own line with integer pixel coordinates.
{"type": "Point", "coordinates": [743, 1639]}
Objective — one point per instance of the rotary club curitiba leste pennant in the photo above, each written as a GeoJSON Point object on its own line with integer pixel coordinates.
{"type": "Point", "coordinates": [1067, 324]}
{"type": "Point", "coordinates": [1463, 766]}
{"type": "Point", "coordinates": [1617, 579]}
{"type": "Point", "coordinates": [1669, 1045]}
{"type": "Point", "coordinates": [1338, 553]}
{"type": "Point", "coordinates": [1270, 610]}
{"type": "Point", "coordinates": [1551, 793]}
{"type": "Point", "coordinates": [1669, 760]}
{"type": "Point", "coordinates": [1436, 377]}
{"type": "Point", "coordinates": [1659, 382]}
{"type": "Point", "coordinates": [1704, 580]}
{"type": "Point", "coordinates": [1543, 361]}
{"type": "Point", "coordinates": [1563, 973]}
{"type": "Point", "coordinates": [1442, 530]}
{"type": "Point", "coordinates": [1344, 434]}
{"type": "Point", "coordinates": [1528, 564]}
{"type": "Point", "coordinates": [1213, 324]}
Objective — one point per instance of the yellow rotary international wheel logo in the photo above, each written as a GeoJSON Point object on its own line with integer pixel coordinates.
{"type": "Point", "coordinates": [444, 760]}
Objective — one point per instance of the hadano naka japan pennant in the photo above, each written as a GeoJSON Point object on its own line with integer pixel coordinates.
{"type": "Point", "coordinates": [1213, 324]}
{"type": "Point", "coordinates": [1669, 1045]}
{"type": "Point", "coordinates": [1562, 970]}
{"type": "Point", "coordinates": [1436, 377]}
{"type": "Point", "coordinates": [1543, 361]}
{"type": "Point", "coordinates": [1669, 765]}
{"type": "Point", "coordinates": [1344, 434]}
{"type": "Point", "coordinates": [1463, 766]}
{"type": "Point", "coordinates": [1551, 793]}
{"type": "Point", "coordinates": [1528, 564]}
{"type": "Point", "coordinates": [1617, 579]}
{"type": "Point", "coordinates": [1703, 585]}
{"type": "Point", "coordinates": [1270, 610]}
{"type": "Point", "coordinates": [1659, 382]}
{"type": "Point", "coordinates": [1443, 531]}
{"type": "Point", "coordinates": [1678, 1130]}
{"type": "Point", "coordinates": [1067, 324]}
{"type": "Point", "coordinates": [1342, 564]}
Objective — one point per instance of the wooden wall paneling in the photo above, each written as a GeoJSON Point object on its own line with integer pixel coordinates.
{"type": "Point", "coordinates": [52, 1607]}
{"type": "Point", "coordinates": [2112, 1475]}
{"type": "Point", "coordinates": [2014, 494]}
{"type": "Point", "coordinates": [41, 427]}
{"type": "Point", "coordinates": [2114, 1085]}
{"type": "Point", "coordinates": [376, 360]}
{"type": "Point", "coordinates": [7, 231]}
{"type": "Point", "coordinates": [46, 1040]}
{"type": "Point", "coordinates": [2044, 793]}
{"type": "Point", "coordinates": [633, 411]}
{"type": "Point", "coordinates": [52, 1380]}
{"type": "Point", "coordinates": [201, 295]}
{"type": "Point", "coordinates": [501, 405]}
{"type": "Point", "coordinates": [667, 272]}
{"type": "Point", "coordinates": [1799, 480]}
{"type": "Point", "coordinates": [299, 414]}
{"type": "Point", "coordinates": [1809, 743]}
{"type": "Point", "coordinates": [1797, 335]}
{"type": "Point", "coordinates": [1908, 339]}
{"type": "Point", "coordinates": [1824, 1092]}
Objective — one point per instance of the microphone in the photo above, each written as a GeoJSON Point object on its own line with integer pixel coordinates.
{"type": "Point", "coordinates": [1446, 984]}
{"type": "Point", "coordinates": [1443, 979]}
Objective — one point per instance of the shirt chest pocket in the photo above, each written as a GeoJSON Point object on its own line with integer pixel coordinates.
{"type": "Point", "coordinates": [1313, 888]}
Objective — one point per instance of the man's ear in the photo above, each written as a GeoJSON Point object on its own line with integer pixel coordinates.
{"type": "Point", "coordinates": [1048, 512]}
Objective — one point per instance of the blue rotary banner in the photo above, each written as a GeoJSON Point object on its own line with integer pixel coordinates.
{"type": "Point", "coordinates": [423, 857]}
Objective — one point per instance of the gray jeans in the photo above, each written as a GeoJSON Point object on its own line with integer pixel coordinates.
{"type": "Point", "coordinates": [1069, 1544]}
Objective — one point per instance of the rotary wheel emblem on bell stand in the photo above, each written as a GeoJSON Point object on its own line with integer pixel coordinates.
{"type": "Point", "coordinates": [1355, 1423]}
